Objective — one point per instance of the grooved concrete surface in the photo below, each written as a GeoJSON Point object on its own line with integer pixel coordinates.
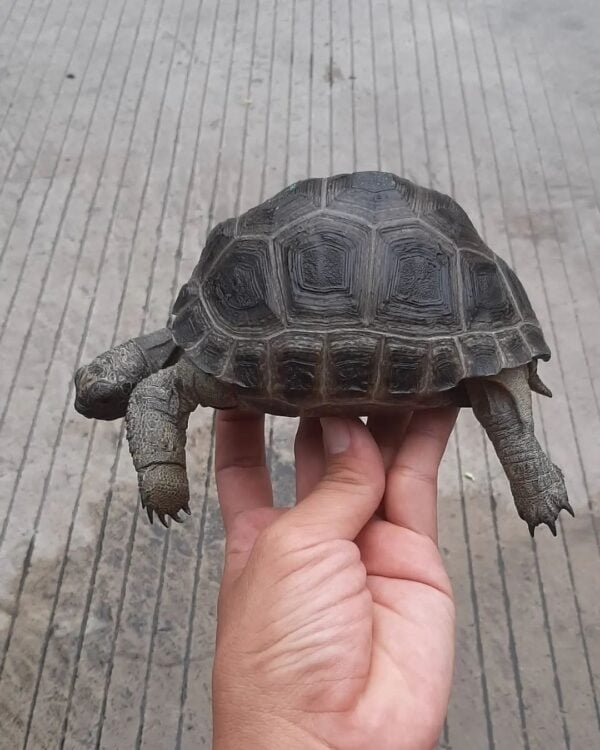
{"type": "Point", "coordinates": [128, 127]}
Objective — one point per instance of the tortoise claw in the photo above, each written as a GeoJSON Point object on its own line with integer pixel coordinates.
{"type": "Point", "coordinates": [531, 529]}
{"type": "Point", "coordinates": [162, 516]}
{"type": "Point", "coordinates": [552, 526]}
{"type": "Point", "coordinates": [569, 509]}
{"type": "Point", "coordinates": [186, 509]}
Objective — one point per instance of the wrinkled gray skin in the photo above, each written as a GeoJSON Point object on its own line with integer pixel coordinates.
{"type": "Point", "coordinates": [146, 381]}
{"type": "Point", "coordinates": [502, 403]}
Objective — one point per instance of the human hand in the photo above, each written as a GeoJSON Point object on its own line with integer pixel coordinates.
{"type": "Point", "coordinates": [335, 618]}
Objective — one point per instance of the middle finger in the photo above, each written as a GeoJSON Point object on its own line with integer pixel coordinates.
{"type": "Point", "coordinates": [389, 432]}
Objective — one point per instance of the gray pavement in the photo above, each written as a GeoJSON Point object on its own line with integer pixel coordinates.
{"type": "Point", "coordinates": [127, 128]}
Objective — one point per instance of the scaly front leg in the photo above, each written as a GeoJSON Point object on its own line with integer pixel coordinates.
{"type": "Point", "coordinates": [157, 419]}
{"type": "Point", "coordinates": [502, 403]}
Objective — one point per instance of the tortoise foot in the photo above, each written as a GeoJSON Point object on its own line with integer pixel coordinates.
{"type": "Point", "coordinates": [545, 506]}
{"type": "Point", "coordinates": [164, 491]}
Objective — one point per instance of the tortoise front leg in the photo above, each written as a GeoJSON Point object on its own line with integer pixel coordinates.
{"type": "Point", "coordinates": [157, 419]}
{"type": "Point", "coordinates": [502, 403]}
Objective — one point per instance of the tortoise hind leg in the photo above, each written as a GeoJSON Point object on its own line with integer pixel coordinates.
{"type": "Point", "coordinates": [104, 385]}
{"type": "Point", "coordinates": [157, 419]}
{"type": "Point", "coordinates": [502, 403]}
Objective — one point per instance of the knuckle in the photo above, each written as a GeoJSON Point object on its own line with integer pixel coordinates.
{"type": "Point", "coordinates": [359, 477]}
{"type": "Point", "coordinates": [401, 472]}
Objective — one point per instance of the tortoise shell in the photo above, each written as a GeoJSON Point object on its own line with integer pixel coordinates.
{"type": "Point", "coordinates": [359, 286]}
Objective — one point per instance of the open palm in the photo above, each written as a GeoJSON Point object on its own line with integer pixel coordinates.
{"type": "Point", "coordinates": [336, 621]}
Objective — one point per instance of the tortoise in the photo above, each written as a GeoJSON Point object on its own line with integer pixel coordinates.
{"type": "Point", "coordinates": [349, 295]}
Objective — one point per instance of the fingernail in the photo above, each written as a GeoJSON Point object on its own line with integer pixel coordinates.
{"type": "Point", "coordinates": [336, 435]}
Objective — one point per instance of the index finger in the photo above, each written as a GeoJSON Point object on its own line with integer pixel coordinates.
{"type": "Point", "coordinates": [243, 481]}
{"type": "Point", "coordinates": [411, 492]}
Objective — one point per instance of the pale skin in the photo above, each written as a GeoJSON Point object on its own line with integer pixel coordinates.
{"type": "Point", "coordinates": [335, 617]}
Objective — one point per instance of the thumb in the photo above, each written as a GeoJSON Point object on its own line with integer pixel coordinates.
{"type": "Point", "coordinates": [351, 488]}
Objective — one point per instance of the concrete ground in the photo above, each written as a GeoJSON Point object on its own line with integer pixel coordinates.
{"type": "Point", "coordinates": [128, 127]}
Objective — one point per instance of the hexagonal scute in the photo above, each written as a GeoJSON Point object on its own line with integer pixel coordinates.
{"type": "Point", "coordinates": [487, 302]}
{"type": "Point", "coordinates": [373, 196]}
{"type": "Point", "coordinates": [416, 285]}
{"type": "Point", "coordinates": [323, 269]}
{"type": "Point", "coordinates": [240, 288]}
{"type": "Point", "coordinates": [288, 205]}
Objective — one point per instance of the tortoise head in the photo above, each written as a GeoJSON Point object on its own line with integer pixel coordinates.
{"type": "Point", "coordinates": [103, 387]}
{"type": "Point", "coordinates": [98, 394]}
